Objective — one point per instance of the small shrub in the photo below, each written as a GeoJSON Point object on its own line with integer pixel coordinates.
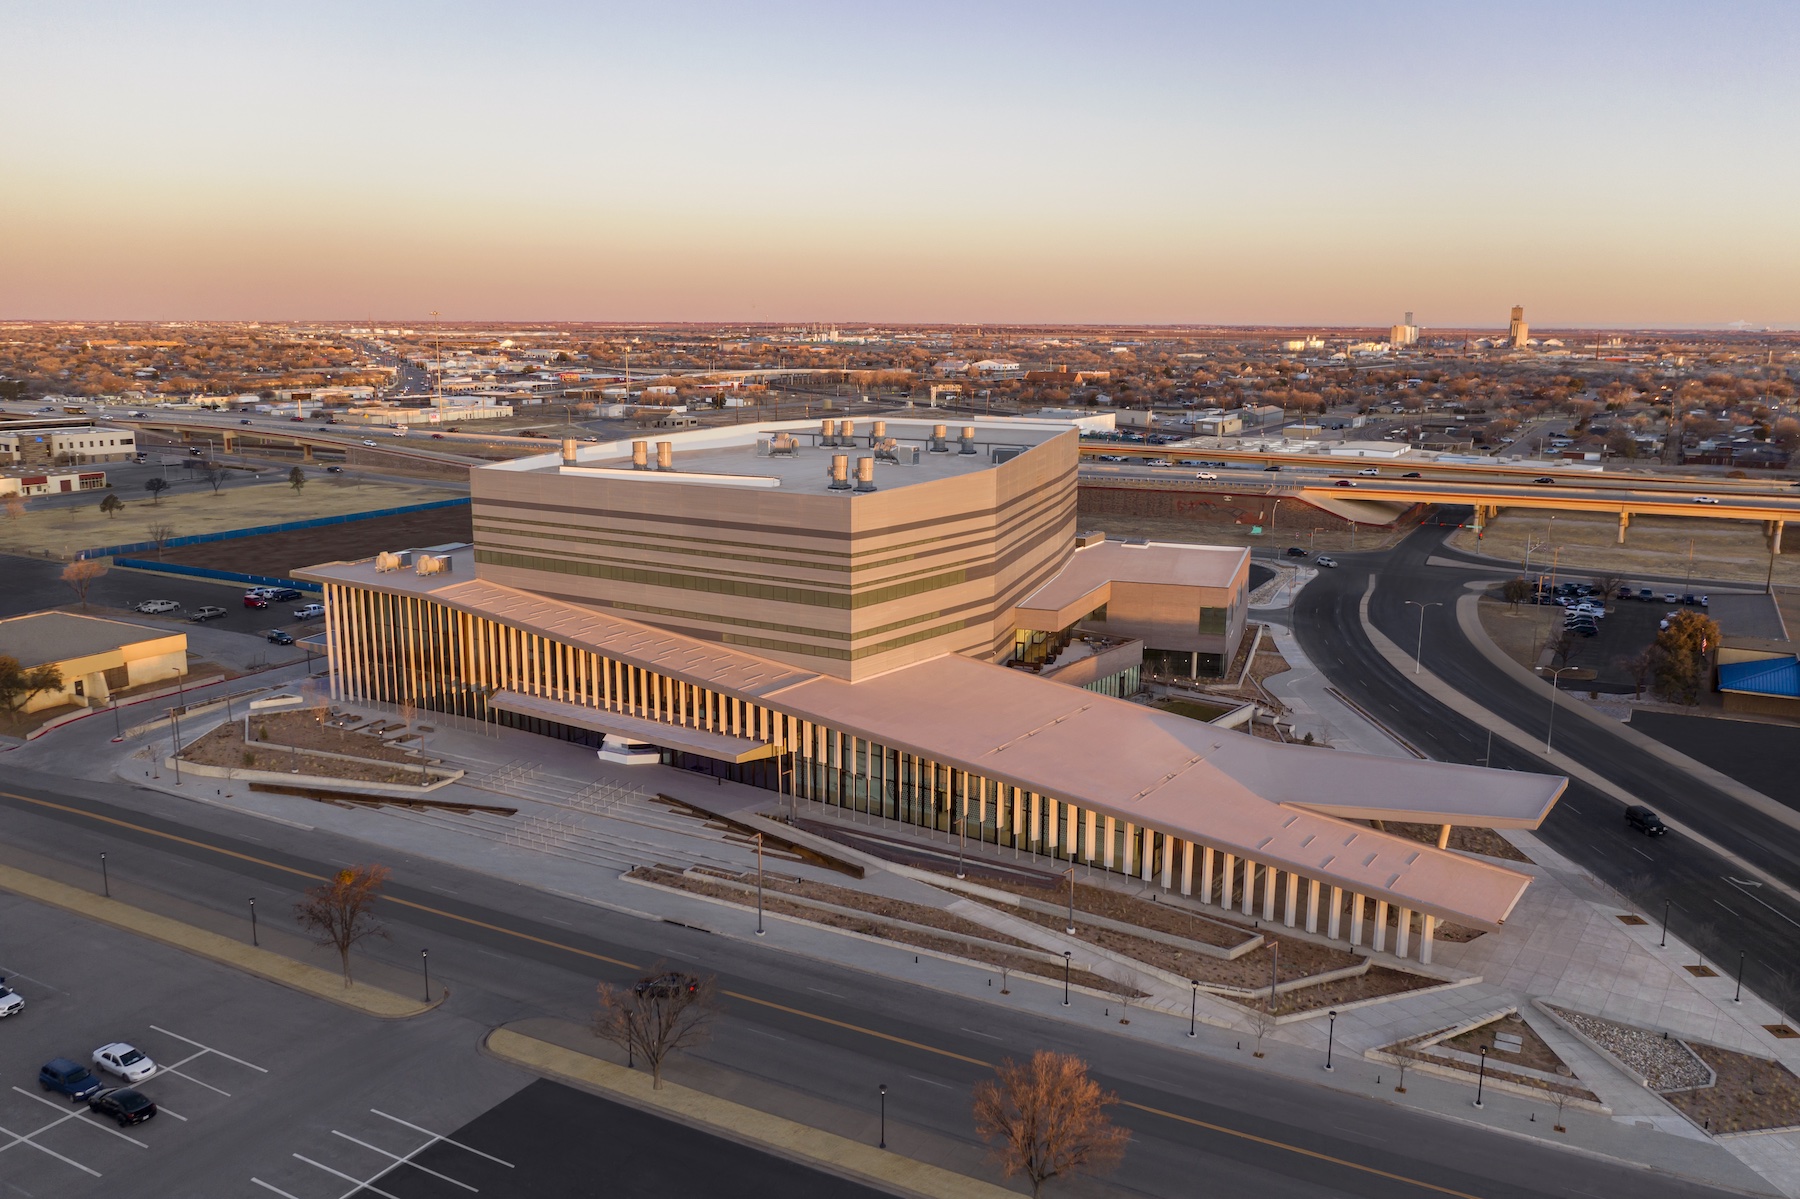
{"type": "Point", "coordinates": [262, 733]}
{"type": "Point", "coordinates": [249, 758]}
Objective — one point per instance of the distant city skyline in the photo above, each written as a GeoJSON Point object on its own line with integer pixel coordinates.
{"type": "Point", "coordinates": [1608, 165]}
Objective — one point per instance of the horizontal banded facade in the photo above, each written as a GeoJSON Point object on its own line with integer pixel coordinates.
{"type": "Point", "coordinates": [846, 585]}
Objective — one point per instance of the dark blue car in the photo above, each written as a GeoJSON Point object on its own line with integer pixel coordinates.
{"type": "Point", "coordinates": [68, 1078]}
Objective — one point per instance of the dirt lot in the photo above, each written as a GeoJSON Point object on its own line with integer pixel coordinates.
{"type": "Point", "coordinates": [1521, 632]}
{"type": "Point", "coordinates": [1654, 545]}
{"type": "Point", "coordinates": [64, 531]}
{"type": "Point", "coordinates": [279, 554]}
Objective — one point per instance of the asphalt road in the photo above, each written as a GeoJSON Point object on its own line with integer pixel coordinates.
{"type": "Point", "coordinates": [1706, 906]}
{"type": "Point", "coordinates": [813, 1031]}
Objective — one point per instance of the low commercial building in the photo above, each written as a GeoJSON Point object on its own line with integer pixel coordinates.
{"type": "Point", "coordinates": [52, 483]}
{"type": "Point", "coordinates": [96, 657]}
{"type": "Point", "coordinates": [1759, 677]}
{"type": "Point", "coordinates": [68, 444]}
{"type": "Point", "coordinates": [833, 612]}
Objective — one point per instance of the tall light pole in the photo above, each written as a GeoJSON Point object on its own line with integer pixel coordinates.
{"type": "Point", "coordinates": [1419, 650]}
{"type": "Point", "coordinates": [1481, 1078]}
{"type": "Point", "coordinates": [1071, 925]}
{"type": "Point", "coordinates": [1550, 729]}
{"type": "Point", "coordinates": [759, 885]}
{"type": "Point", "coordinates": [1330, 1035]}
{"type": "Point", "coordinates": [1193, 1005]}
{"type": "Point", "coordinates": [1067, 954]}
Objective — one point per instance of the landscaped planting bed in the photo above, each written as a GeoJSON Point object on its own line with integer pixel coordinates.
{"type": "Point", "coordinates": [1379, 982]}
{"type": "Point", "coordinates": [1665, 1062]}
{"type": "Point", "coordinates": [1536, 1053]}
{"type": "Point", "coordinates": [1129, 909]}
{"type": "Point", "coordinates": [363, 759]}
{"type": "Point", "coordinates": [1752, 1093]}
{"type": "Point", "coordinates": [917, 938]}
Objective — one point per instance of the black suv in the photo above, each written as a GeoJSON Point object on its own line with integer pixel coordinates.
{"type": "Point", "coordinates": [666, 986]}
{"type": "Point", "coordinates": [1645, 821]}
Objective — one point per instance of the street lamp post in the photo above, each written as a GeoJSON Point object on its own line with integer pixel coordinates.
{"type": "Point", "coordinates": [759, 885]}
{"type": "Point", "coordinates": [1481, 1078]}
{"type": "Point", "coordinates": [1664, 943]}
{"type": "Point", "coordinates": [1419, 649]}
{"type": "Point", "coordinates": [883, 1144]}
{"type": "Point", "coordinates": [425, 965]}
{"type": "Point", "coordinates": [118, 734]}
{"type": "Point", "coordinates": [1193, 1005]}
{"type": "Point", "coordinates": [1739, 997]}
{"type": "Point", "coordinates": [1330, 1036]}
{"type": "Point", "coordinates": [253, 939]}
{"type": "Point", "coordinates": [105, 879]}
{"type": "Point", "coordinates": [1067, 954]}
{"type": "Point", "coordinates": [175, 754]}
{"type": "Point", "coordinates": [1550, 729]}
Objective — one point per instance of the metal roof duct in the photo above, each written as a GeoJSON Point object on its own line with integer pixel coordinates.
{"type": "Point", "coordinates": [840, 472]}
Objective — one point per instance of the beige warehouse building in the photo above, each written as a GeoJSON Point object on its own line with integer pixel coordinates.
{"type": "Point", "coordinates": [900, 619]}
{"type": "Point", "coordinates": [96, 657]}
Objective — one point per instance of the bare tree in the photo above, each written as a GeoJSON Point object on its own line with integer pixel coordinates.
{"type": "Point", "coordinates": [214, 474]}
{"type": "Point", "coordinates": [661, 1013]}
{"type": "Point", "coordinates": [82, 574]}
{"type": "Point", "coordinates": [15, 506]}
{"type": "Point", "coordinates": [340, 912]}
{"type": "Point", "coordinates": [1562, 1101]}
{"type": "Point", "coordinates": [1642, 667]}
{"type": "Point", "coordinates": [1563, 648]}
{"type": "Point", "coordinates": [159, 534]}
{"type": "Point", "coordinates": [1262, 1020]}
{"type": "Point", "coordinates": [1402, 1061]}
{"type": "Point", "coordinates": [18, 683]}
{"type": "Point", "coordinates": [1047, 1118]}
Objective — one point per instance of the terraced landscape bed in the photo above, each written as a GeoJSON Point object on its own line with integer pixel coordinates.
{"type": "Point", "coordinates": [914, 936]}
{"type": "Point", "coordinates": [1129, 909]}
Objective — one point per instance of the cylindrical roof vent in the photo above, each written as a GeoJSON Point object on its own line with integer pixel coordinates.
{"type": "Point", "coordinates": [665, 455]}
{"type": "Point", "coordinates": [568, 453]}
{"type": "Point", "coordinates": [847, 434]}
{"type": "Point", "coordinates": [827, 432]}
{"type": "Point", "coordinates": [879, 434]}
{"type": "Point", "coordinates": [640, 455]}
{"type": "Point", "coordinates": [840, 472]}
{"type": "Point", "coordinates": [938, 434]}
{"type": "Point", "coordinates": [865, 474]}
{"type": "Point", "coordinates": [968, 440]}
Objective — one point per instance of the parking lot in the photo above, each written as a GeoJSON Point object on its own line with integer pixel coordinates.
{"type": "Point", "coordinates": [248, 1072]}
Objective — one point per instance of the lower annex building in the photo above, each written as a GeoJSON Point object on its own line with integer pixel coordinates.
{"type": "Point", "coordinates": [902, 620]}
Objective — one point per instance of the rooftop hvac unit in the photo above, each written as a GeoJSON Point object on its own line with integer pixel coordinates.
{"type": "Point", "coordinates": [393, 560]}
{"type": "Point", "coordinates": [907, 455]}
{"type": "Point", "coordinates": [887, 450]}
{"type": "Point", "coordinates": [434, 564]}
{"type": "Point", "coordinates": [1005, 453]}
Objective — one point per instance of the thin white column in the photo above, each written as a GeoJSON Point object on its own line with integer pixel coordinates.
{"type": "Point", "coordinates": [1312, 905]}
{"type": "Point", "coordinates": [1187, 867]}
{"type": "Point", "coordinates": [1356, 918]}
{"type": "Point", "coordinates": [1092, 819]}
{"type": "Point", "coordinates": [1206, 873]}
{"type": "Point", "coordinates": [1268, 896]}
{"type": "Point", "coordinates": [1227, 865]}
{"type": "Point", "coordinates": [1425, 938]}
{"type": "Point", "coordinates": [1107, 851]}
{"type": "Point", "coordinates": [1052, 821]}
{"type": "Point", "coordinates": [1168, 862]}
{"type": "Point", "coordinates": [1250, 869]}
{"type": "Point", "coordinates": [1381, 914]}
{"type": "Point", "coordinates": [1335, 922]}
{"type": "Point", "coordinates": [1403, 936]}
{"type": "Point", "coordinates": [1291, 907]}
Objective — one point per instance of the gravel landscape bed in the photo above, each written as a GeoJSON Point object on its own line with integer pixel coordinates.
{"type": "Point", "coordinates": [920, 939]}
{"type": "Point", "coordinates": [364, 760]}
{"type": "Point", "coordinates": [1665, 1062]}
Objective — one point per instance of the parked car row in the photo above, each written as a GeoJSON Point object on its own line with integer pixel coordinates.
{"type": "Point", "coordinates": [127, 1105]}
{"type": "Point", "coordinates": [256, 597]}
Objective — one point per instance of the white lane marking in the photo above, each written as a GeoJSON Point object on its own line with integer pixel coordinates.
{"type": "Point", "coordinates": [759, 1032]}
{"type": "Point", "coordinates": [26, 1140]}
{"type": "Point", "coordinates": [80, 1117]}
{"type": "Point", "coordinates": [265, 1186]}
{"type": "Point", "coordinates": [1766, 904]}
{"type": "Point", "coordinates": [445, 1139]}
{"type": "Point", "coordinates": [1726, 906]}
{"type": "Point", "coordinates": [972, 1032]}
{"type": "Point", "coordinates": [407, 1160]}
{"type": "Point", "coordinates": [357, 1183]}
{"type": "Point", "coordinates": [195, 1081]}
{"type": "Point", "coordinates": [931, 1082]}
{"type": "Point", "coordinates": [822, 991]}
{"type": "Point", "coordinates": [240, 1061]}
{"type": "Point", "coordinates": [1640, 853]}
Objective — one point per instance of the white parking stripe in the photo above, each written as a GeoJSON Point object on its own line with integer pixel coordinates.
{"type": "Point", "coordinates": [265, 1186]}
{"type": "Point", "coordinates": [357, 1184]}
{"type": "Point", "coordinates": [19, 1140]}
{"type": "Point", "coordinates": [80, 1117]}
{"type": "Point", "coordinates": [163, 1111]}
{"type": "Point", "coordinates": [407, 1160]}
{"type": "Point", "coordinates": [445, 1139]}
{"type": "Point", "coordinates": [240, 1061]}
{"type": "Point", "coordinates": [192, 1079]}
